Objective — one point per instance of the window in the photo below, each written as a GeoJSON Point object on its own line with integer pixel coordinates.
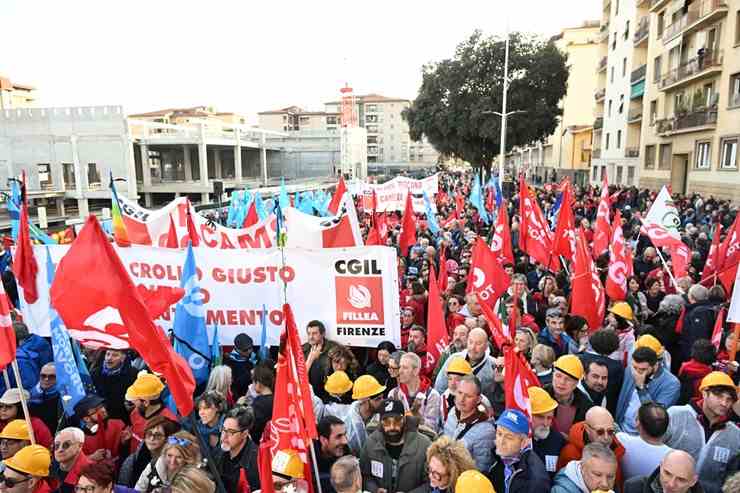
{"type": "Point", "coordinates": [620, 170]}
{"type": "Point", "coordinates": [616, 7]}
{"type": "Point", "coordinates": [661, 25]}
{"type": "Point", "coordinates": [614, 42]}
{"type": "Point", "coordinates": [621, 104]}
{"type": "Point", "coordinates": [737, 27]}
{"type": "Point", "coordinates": [603, 173]}
{"type": "Point", "coordinates": [612, 75]}
{"type": "Point", "coordinates": [624, 66]}
{"type": "Point", "coordinates": [594, 173]}
{"type": "Point", "coordinates": [649, 157]}
{"type": "Point", "coordinates": [656, 69]}
{"type": "Point", "coordinates": [665, 156]}
{"type": "Point", "coordinates": [630, 175]}
{"type": "Point", "coordinates": [735, 89]}
{"type": "Point", "coordinates": [68, 172]}
{"type": "Point", "coordinates": [609, 111]}
{"type": "Point", "coordinates": [44, 170]}
{"type": "Point", "coordinates": [93, 175]}
{"type": "Point", "coordinates": [729, 154]}
{"type": "Point", "coordinates": [627, 31]}
{"type": "Point", "coordinates": [619, 139]}
{"type": "Point", "coordinates": [653, 111]}
{"type": "Point", "coordinates": [606, 146]}
{"type": "Point", "coordinates": [702, 155]}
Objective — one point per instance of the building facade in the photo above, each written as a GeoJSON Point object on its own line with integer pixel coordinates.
{"type": "Point", "coordinates": [296, 119]}
{"type": "Point", "coordinates": [14, 95]}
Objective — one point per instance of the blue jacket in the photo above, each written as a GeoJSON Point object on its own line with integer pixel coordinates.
{"type": "Point", "coordinates": [32, 354]}
{"type": "Point", "coordinates": [663, 388]}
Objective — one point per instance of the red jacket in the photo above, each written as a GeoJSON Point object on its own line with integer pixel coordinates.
{"type": "Point", "coordinates": [107, 437]}
{"type": "Point", "coordinates": [74, 474]}
{"type": "Point", "coordinates": [573, 450]}
{"type": "Point", "coordinates": [40, 431]}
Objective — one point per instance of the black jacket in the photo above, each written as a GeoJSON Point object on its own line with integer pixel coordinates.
{"type": "Point", "coordinates": [698, 323]}
{"type": "Point", "coordinates": [241, 375]}
{"type": "Point", "coordinates": [529, 474]}
{"type": "Point", "coordinates": [262, 406]}
{"type": "Point", "coordinates": [616, 375]}
{"type": "Point", "coordinates": [113, 389]}
{"type": "Point", "coordinates": [247, 460]}
{"type": "Point", "coordinates": [552, 445]}
{"type": "Point", "coordinates": [644, 484]}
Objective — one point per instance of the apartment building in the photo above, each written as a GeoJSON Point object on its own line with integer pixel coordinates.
{"type": "Point", "coordinates": [14, 95]}
{"type": "Point", "coordinates": [296, 119]}
{"type": "Point", "coordinates": [619, 98]}
{"type": "Point", "coordinates": [195, 114]}
{"type": "Point", "coordinates": [692, 97]}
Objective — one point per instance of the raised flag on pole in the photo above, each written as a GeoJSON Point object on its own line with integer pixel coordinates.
{"type": "Point", "coordinates": [336, 199]}
{"type": "Point", "coordinates": [25, 267]}
{"type": "Point", "coordinates": [709, 274]}
{"type": "Point", "coordinates": [664, 213]}
{"type": "Point", "coordinates": [436, 330]}
{"type": "Point", "coordinates": [616, 281]}
{"type": "Point", "coordinates": [487, 277]}
{"type": "Point", "coordinates": [661, 237]}
{"type": "Point", "coordinates": [535, 238]}
{"type": "Point", "coordinates": [518, 377]}
{"type": "Point", "coordinates": [718, 328]}
{"type": "Point", "coordinates": [501, 238]}
{"type": "Point", "coordinates": [119, 227]}
{"type": "Point", "coordinates": [408, 227]}
{"type": "Point", "coordinates": [588, 299]}
{"type": "Point", "coordinates": [172, 240]}
{"type": "Point", "coordinates": [602, 230]}
{"type": "Point", "coordinates": [340, 230]}
{"type": "Point", "coordinates": [500, 334]}
{"type": "Point", "coordinates": [564, 242]}
{"type": "Point", "coordinates": [431, 216]}
{"type": "Point", "coordinates": [476, 200]}
{"type": "Point", "coordinates": [7, 334]}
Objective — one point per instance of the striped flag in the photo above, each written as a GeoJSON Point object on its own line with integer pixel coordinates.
{"type": "Point", "coordinates": [119, 227]}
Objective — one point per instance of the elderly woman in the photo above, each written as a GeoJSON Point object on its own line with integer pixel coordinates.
{"type": "Point", "coordinates": [220, 381]}
{"type": "Point", "coordinates": [446, 460]}
{"type": "Point", "coordinates": [98, 477]}
{"type": "Point", "coordinates": [664, 326]}
{"type": "Point", "coordinates": [156, 432]}
{"type": "Point", "coordinates": [180, 450]}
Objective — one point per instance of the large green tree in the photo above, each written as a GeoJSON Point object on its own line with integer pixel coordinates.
{"type": "Point", "coordinates": [455, 105]}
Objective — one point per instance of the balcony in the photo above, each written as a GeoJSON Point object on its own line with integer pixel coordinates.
{"type": "Point", "coordinates": [656, 5]}
{"type": "Point", "coordinates": [600, 94]}
{"type": "Point", "coordinates": [699, 14]}
{"type": "Point", "coordinates": [602, 64]}
{"type": "Point", "coordinates": [638, 74]}
{"type": "Point", "coordinates": [631, 152]}
{"type": "Point", "coordinates": [598, 123]}
{"type": "Point", "coordinates": [642, 31]}
{"type": "Point", "coordinates": [709, 63]}
{"type": "Point", "coordinates": [634, 116]}
{"type": "Point", "coordinates": [688, 122]}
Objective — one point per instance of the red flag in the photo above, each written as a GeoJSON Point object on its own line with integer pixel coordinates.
{"type": "Point", "coordinates": [487, 278]}
{"type": "Point", "coordinates": [564, 243]}
{"type": "Point", "coordinates": [501, 239]}
{"type": "Point", "coordinates": [679, 323]}
{"type": "Point", "coordinates": [500, 337]}
{"type": "Point", "coordinates": [442, 278]}
{"type": "Point", "coordinates": [264, 460]}
{"type": "Point", "coordinates": [24, 264]}
{"type": "Point", "coordinates": [172, 241]}
{"type": "Point", "coordinates": [718, 328]}
{"type": "Point", "coordinates": [252, 216]}
{"type": "Point", "coordinates": [408, 229]}
{"type": "Point", "coordinates": [373, 237]}
{"type": "Point", "coordinates": [661, 237]}
{"type": "Point", "coordinates": [374, 203]}
{"type": "Point", "coordinates": [514, 316]}
{"type": "Point", "coordinates": [336, 199]}
{"type": "Point", "coordinates": [730, 247]}
{"type": "Point", "coordinates": [518, 377]}
{"type": "Point", "coordinates": [489, 199]}
{"type": "Point", "coordinates": [708, 275]}
{"type": "Point", "coordinates": [192, 230]}
{"type": "Point", "coordinates": [588, 298]}
{"type": "Point", "coordinates": [534, 237]}
{"type": "Point", "coordinates": [109, 298]}
{"type": "Point", "coordinates": [437, 336]}
{"type": "Point", "coordinates": [602, 230]}
{"type": "Point", "coordinates": [7, 334]}
{"type": "Point", "coordinates": [630, 263]}
{"type": "Point", "coordinates": [460, 205]}
{"type": "Point", "coordinates": [616, 281]}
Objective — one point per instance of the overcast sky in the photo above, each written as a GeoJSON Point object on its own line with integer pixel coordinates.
{"type": "Point", "coordinates": [247, 55]}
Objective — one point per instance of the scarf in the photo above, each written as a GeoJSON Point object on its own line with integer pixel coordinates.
{"type": "Point", "coordinates": [206, 431]}
{"type": "Point", "coordinates": [424, 384]}
{"type": "Point", "coordinates": [111, 372]}
{"type": "Point", "coordinates": [39, 395]}
{"type": "Point", "coordinates": [237, 357]}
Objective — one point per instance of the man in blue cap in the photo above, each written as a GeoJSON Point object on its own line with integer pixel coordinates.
{"type": "Point", "coordinates": [516, 467]}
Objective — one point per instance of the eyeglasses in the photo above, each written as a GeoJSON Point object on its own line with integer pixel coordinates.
{"type": "Point", "coordinates": [499, 367]}
{"type": "Point", "coordinates": [10, 482]}
{"type": "Point", "coordinates": [63, 446]}
{"type": "Point", "coordinates": [7, 442]}
{"type": "Point", "coordinates": [603, 431]}
{"type": "Point", "coordinates": [155, 435]}
{"type": "Point", "coordinates": [48, 376]}
{"type": "Point", "coordinates": [438, 476]}
{"type": "Point", "coordinates": [183, 442]}
{"type": "Point", "coordinates": [85, 489]}
{"type": "Point", "coordinates": [229, 432]}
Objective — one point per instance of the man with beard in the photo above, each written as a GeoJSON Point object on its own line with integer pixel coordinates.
{"type": "Point", "coordinates": [331, 445]}
{"type": "Point", "coordinates": [418, 345]}
{"type": "Point", "coordinates": [594, 382]}
{"type": "Point", "coordinates": [546, 443]}
{"type": "Point", "coordinates": [239, 452]}
{"type": "Point", "coordinates": [394, 456]}
{"type": "Point", "coordinates": [146, 395]}
{"type": "Point", "coordinates": [415, 392]}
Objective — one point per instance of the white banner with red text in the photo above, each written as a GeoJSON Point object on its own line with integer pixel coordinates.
{"type": "Point", "coordinates": [391, 195]}
{"type": "Point", "coordinates": [353, 291]}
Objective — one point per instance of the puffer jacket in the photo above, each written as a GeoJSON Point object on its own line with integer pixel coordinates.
{"type": "Point", "coordinates": [528, 474]}
{"type": "Point", "coordinates": [570, 480]}
{"type": "Point", "coordinates": [410, 471]}
{"type": "Point", "coordinates": [479, 439]}
{"type": "Point", "coordinates": [663, 388]}
{"type": "Point", "coordinates": [685, 432]}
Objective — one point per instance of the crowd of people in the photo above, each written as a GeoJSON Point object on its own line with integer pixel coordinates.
{"type": "Point", "coordinates": [645, 402]}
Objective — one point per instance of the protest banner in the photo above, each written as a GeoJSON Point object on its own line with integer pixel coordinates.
{"type": "Point", "coordinates": [353, 291]}
{"type": "Point", "coordinates": [391, 195]}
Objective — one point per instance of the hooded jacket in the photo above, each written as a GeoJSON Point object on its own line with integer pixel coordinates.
{"type": "Point", "coordinates": [479, 439]}
{"type": "Point", "coordinates": [573, 450]}
{"type": "Point", "coordinates": [697, 324]}
{"type": "Point", "coordinates": [570, 480]}
{"type": "Point", "coordinates": [410, 471]}
{"type": "Point", "coordinates": [685, 432]}
{"type": "Point", "coordinates": [651, 484]}
{"type": "Point", "coordinates": [662, 388]}
{"type": "Point", "coordinates": [690, 375]}
{"type": "Point", "coordinates": [31, 354]}
{"type": "Point", "coordinates": [430, 402]}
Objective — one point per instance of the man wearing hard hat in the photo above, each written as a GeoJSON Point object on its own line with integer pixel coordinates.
{"type": "Point", "coordinates": [702, 429]}
{"type": "Point", "coordinates": [14, 437]}
{"type": "Point", "coordinates": [145, 394]}
{"type": "Point", "coordinates": [545, 443]}
{"type": "Point", "coordinates": [572, 403]}
{"type": "Point", "coordinates": [288, 472]}
{"type": "Point", "coordinates": [368, 396]}
{"type": "Point", "coordinates": [26, 471]}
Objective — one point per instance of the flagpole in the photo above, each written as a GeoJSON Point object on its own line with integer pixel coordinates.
{"type": "Point", "coordinates": [565, 265]}
{"type": "Point", "coordinates": [6, 378]}
{"type": "Point", "coordinates": [670, 274]}
{"type": "Point", "coordinates": [315, 467]}
{"type": "Point", "coordinates": [24, 404]}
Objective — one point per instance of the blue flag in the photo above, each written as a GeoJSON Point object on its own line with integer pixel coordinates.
{"type": "Point", "coordinates": [260, 206]}
{"type": "Point", "coordinates": [69, 382]}
{"type": "Point", "coordinates": [87, 380]}
{"type": "Point", "coordinates": [283, 198]}
{"type": "Point", "coordinates": [306, 205]}
{"type": "Point", "coordinates": [497, 191]}
{"type": "Point", "coordinates": [264, 348]}
{"type": "Point", "coordinates": [476, 200]}
{"type": "Point", "coordinates": [189, 326]}
{"type": "Point", "coordinates": [553, 214]}
{"type": "Point", "coordinates": [233, 207]}
{"type": "Point", "coordinates": [215, 348]}
{"type": "Point", "coordinates": [431, 217]}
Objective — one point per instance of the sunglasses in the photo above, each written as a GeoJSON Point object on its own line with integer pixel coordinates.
{"type": "Point", "coordinates": [63, 446]}
{"type": "Point", "coordinates": [183, 442]}
{"type": "Point", "coordinates": [603, 431]}
{"type": "Point", "coordinates": [49, 376]}
{"type": "Point", "coordinates": [154, 435]}
{"type": "Point", "coordinates": [10, 482]}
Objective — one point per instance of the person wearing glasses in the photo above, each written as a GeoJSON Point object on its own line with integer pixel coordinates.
{"type": "Point", "coordinates": [10, 409]}
{"type": "Point", "coordinates": [446, 460]}
{"type": "Point", "coordinates": [26, 471]}
{"type": "Point", "coordinates": [180, 450]}
{"type": "Point", "coordinates": [99, 477]}
{"type": "Point", "coordinates": [44, 401]}
{"type": "Point", "coordinates": [598, 427]}
{"type": "Point", "coordinates": [238, 451]}
{"type": "Point", "coordinates": [13, 437]}
{"type": "Point", "coordinates": [69, 459]}
{"type": "Point", "coordinates": [157, 431]}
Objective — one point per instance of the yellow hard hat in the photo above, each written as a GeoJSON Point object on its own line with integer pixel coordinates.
{"type": "Point", "coordinates": [717, 379]}
{"type": "Point", "coordinates": [650, 341]}
{"type": "Point", "coordinates": [16, 430]}
{"type": "Point", "coordinates": [623, 309]}
{"type": "Point", "coordinates": [540, 401]}
{"type": "Point", "coordinates": [338, 383]}
{"type": "Point", "coordinates": [459, 365]}
{"type": "Point", "coordinates": [147, 386]}
{"type": "Point", "coordinates": [474, 482]}
{"type": "Point", "coordinates": [287, 463]}
{"type": "Point", "coordinates": [366, 386]}
{"type": "Point", "coordinates": [33, 459]}
{"type": "Point", "coordinates": [571, 365]}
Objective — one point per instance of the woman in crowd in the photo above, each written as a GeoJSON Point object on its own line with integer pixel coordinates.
{"type": "Point", "coordinates": [577, 329]}
{"type": "Point", "coordinates": [220, 381]}
{"type": "Point", "coordinates": [211, 408]}
{"type": "Point", "coordinates": [636, 298]}
{"type": "Point", "coordinates": [446, 460]}
{"type": "Point", "coordinates": [543, 357]}
{"type": "Point", "coordinates": [98, 477]}
{"type": "Point", "coordinates": [191, 480]}
{"type": "Point", "coordinates": [343, 359]}
{"type": "Point", "coordinates": [156, 432]}
{"type": "Point", "coordinates": [654, 294]}
{"type": "Point", "coordinates": [379, 368]}
{"type": "Point", "coordinates": [524, 340]}
{"type": "Point", "coordinates": [180, 450]}
{"type": "Point", "coordinates": [453, 318]}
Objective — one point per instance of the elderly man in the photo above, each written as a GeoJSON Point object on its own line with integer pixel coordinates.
{"type": "Point", "coordinates": [26, 471]}
{"type": "Point", "coordinates": [596, 471]}
{"type": "Point", "coordinates": [516, 466]}
{"type": "Point", "coordinates": [702, 429]}
{"type": "Point", "coordinates": [676, 474]}
{"type": "Point", "coordinates": [572, 403]}
{"type": "Point", "coordinates": [698, 320]}
{"type": "Point", "coordinates": [44, 400]}
{"type": "Point", "coordinates": [415, 392]}
{"type": "Point", "coordinates": [69, 459]}
{"type": "Point", "coordinates": [470, 424]}
{"type": "Point", "coordinates": [545, 443]}
{"type": "Point", "coordinates": [346, 476]}
{"type": "Point", "coordinates": [477, 354]}
{"type": "Point", "coordinates": [459, 343]}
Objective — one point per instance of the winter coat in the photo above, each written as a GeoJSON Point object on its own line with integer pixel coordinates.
{"type": "Point", "coordinates": [241, 372]}
{"type": "Point", "coordinates": [580, 401]}
{"type": "Point", "coordinates": [573, 450]}
{"type": "Point", "coordinates": [685, 432]}
{"type": "Point", "coordinates": [153, 476]}
{"type": "Point", "coordinates": [479, 439]}
{"type": "Point", "coordinates": [569, 480]}
{"type": "Point", "coordinates": [33, 353]}
{"type": "Point", "coordinates": [528, 474]}
{"type": "Point", "coordinates": [247, 463]}
{"type": "Point", "coordinates": [698, 323]}
{"type": "Point", "coordinates": [483, 370]}
{"type": "Point", "coordinates": [690, 375]}
{"type": "Point", "coordinates": [549, 450]}
{"type": "Point", "coordinates": [133, 466]}
{"type": "Point", "coordinates": [430, 402]}
{"type": "Point", "coordinates": [377, 464]}
{"type": "Point", "coordinates": [72, 476]}
{"type": "Point", "coordinates": [651, 484]}
{"type": "Point", "coordinates": [113, 389]}
{"type": "Point", "coordinates": [319, 368]}
{"type": "Point", "coordinates": [663, 388]}
{"type": "Point", "coordinates": [616, 375]}
{"type": "Point", "coordinates": [561, 346]}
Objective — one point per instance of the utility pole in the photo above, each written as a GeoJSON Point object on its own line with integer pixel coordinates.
{"type": "Point", "coordinates": [503, 110]}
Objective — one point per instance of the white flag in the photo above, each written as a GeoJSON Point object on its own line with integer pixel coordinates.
{"type": "Point", "coordinates": [733, 315]}
{"type": "Point", "coordinates": [664, 213]}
